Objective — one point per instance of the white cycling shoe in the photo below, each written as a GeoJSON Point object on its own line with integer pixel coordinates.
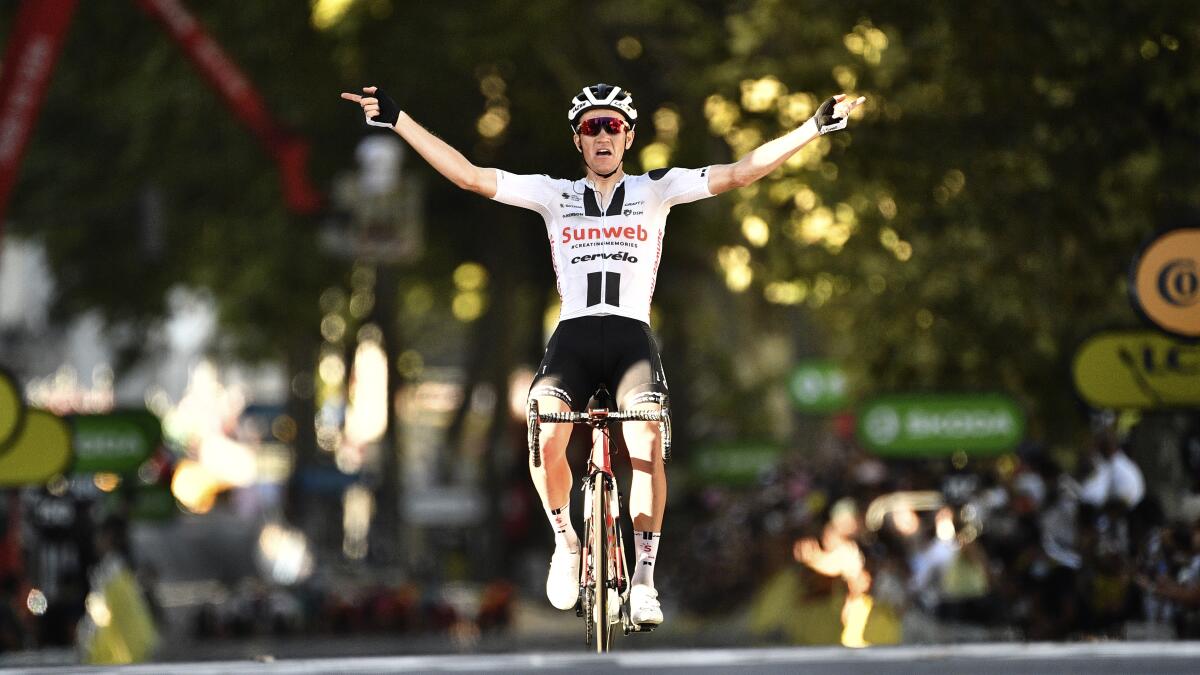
{"type": "Point", "coordinates": [562, 584]}
{"type": "Point", "coordinates": [644, 607]}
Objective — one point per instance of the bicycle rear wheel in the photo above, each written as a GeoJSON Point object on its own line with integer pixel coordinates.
{"type": "Point", "coordinates": [601, 552]}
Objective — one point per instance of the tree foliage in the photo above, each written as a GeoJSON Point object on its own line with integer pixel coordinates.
{"type": "Point", "coordinates": [979, 220]}
{"type": "Point", "coordinates": [965, 233]}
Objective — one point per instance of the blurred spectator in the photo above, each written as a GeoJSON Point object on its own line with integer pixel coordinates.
{"type": "Point", "coordinates": [798, 606]}
{"type": "Point", "coordinates": [966, 585]}
{"type": "Point", "coordinates": [65, 608]}
{"type": "Point", "coordinates": [1114, 475]}
{"type": "Point", "coordinates": [1189, 451]}
{"type": "Point", "coordinates": [12, 633]}
{"type": "Point", "coordinates": [118, 627]}
{"type": "Point", "coordinates": [864, 618]}
{"type": "Point", "coordinates": [1177, 581]}
{"type": "Point", "coordinates": [496, 605]}
{"type": "Point", "coordinates": [1058, 523]}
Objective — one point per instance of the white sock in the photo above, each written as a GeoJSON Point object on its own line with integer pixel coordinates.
{"type": "Point", "coordinates": [564, 534]}
{"type": "Point", "coordinates": [646, 544]}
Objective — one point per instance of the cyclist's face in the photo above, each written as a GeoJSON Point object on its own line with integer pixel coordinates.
{"type": "Point", "coordinates": [605, 150]}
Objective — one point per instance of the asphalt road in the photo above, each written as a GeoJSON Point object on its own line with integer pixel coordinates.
{"type": "Point", "coordinates": [977, 659]}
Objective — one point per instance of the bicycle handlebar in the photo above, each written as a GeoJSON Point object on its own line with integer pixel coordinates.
{"type": "Point", "coordinates": [591, 416]}
{"type": "Point", "coordinates": [596, 418]}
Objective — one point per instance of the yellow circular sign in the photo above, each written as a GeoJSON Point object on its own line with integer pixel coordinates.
{"type": "Point", "coordinates": [11, 410]}
{"type": "Point", "coordinates": [1166, 281]}
{"type": "Point", "coordinates": [41, 450]}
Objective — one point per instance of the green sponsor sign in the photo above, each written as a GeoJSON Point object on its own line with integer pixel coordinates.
{"type": "Point", "coordinates": [935, 424]}
{"type": "Point", "coordinates": [818, 386]}
{"type": "Point", "coordinates": [116, 443]}
{"type": "Point", "coordinates": [734, 463]}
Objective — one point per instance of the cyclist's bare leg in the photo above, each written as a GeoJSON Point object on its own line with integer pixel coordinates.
{"type": "Point", "coordinates": [647, 501]}
{"type": "Point", "coordinates": [553, 478]}
{"type": "Point", "coordinates": [553, 482]}
{"type": "Point", "coordinates": [648, 487]}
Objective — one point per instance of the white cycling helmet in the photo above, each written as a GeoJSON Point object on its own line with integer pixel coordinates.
{"type": "Point", "coordinates": [602, 96]}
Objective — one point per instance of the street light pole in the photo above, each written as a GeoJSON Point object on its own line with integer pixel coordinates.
{"type": "Point", "coordinates": [385, 231]}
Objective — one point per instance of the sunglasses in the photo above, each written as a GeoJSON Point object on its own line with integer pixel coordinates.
{"type": "Point", "coordinates": [592, 127]}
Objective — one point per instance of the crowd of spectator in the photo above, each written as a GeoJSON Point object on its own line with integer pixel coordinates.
{"type": "Point", "coordinates": [852, 548]}
{"type": "Point", "coordinates": [834, 546]}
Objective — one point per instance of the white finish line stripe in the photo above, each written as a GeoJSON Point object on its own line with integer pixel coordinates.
{"type": "Point", "coordinates": [674, 659]}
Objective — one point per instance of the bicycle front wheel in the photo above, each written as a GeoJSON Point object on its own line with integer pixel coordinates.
{"type": "Point", "coordinates": [601, 571]}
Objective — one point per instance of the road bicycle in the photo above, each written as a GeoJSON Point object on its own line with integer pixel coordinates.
{"type": "Point", "coordinates": [603, 571]}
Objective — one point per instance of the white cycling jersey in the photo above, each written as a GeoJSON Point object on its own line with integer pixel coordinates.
{"type": "Point", "coordinates": [605, 255]}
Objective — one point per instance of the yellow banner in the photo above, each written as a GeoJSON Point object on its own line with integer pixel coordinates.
{"type": "Point", "coordinates": [119, 628]}
{"type": "Point", "coordinates": [1137, 369]}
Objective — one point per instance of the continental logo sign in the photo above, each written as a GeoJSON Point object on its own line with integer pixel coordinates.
{"type": "Point", "coordinates": [1137, 369]}
{"type": "Point", "coordinates": [1166, 281]}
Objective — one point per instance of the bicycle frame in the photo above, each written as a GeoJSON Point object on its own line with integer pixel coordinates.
{"type": "Point", "coordinates": [605, 566]}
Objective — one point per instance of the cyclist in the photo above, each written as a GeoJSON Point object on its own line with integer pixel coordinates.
{"type": "Point", "coordinates": [606, 232]}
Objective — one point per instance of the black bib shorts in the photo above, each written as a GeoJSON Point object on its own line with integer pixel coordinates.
{"type": "Point", "coordinates": [588, 351]}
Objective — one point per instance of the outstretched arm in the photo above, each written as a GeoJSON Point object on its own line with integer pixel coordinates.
{"type": "Point", "coordinates": [441, 156]}
{"type": "Point", "coordinates": [767, 157]}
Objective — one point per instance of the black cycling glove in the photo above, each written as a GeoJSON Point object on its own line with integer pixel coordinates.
{"type": "Point", "coordinates": [389, 112]}
{"type": "Point", "coordinates": [826, 121]}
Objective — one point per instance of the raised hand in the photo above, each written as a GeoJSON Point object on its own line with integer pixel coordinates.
{"type": "Point", "coordinates": [379, 108]}
{"type": "Point", "coordinates": [834, 113]}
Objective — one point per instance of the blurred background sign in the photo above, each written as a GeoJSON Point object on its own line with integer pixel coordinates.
{"type": "Point", "coordinates": [1166, 281]}
{"type": "Point", "coordinates": [911, 425]}
{"type": "Point", "coordinates": [117, 442]}
{"type": "Point", "coordinates": [33, 47]}
{"type": "Point", "coordinates": [153, 503]}
{"type": "Point", "coordinates": [1137, 369]}
{"type": "Point", "coordinates": [445, 506]}
{"type": "Point", "coordinates": [10, 409]}
{"type": "Point", "coordinates": [735, 462]}
{"type": "Point", "coordinates": [40, 450]}
{"type": "Point", "coordinates": [818, 386]}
